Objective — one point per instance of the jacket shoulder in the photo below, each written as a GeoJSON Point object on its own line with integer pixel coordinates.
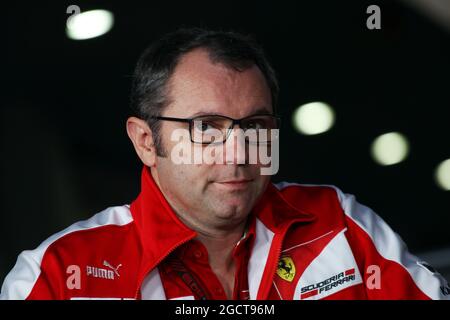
{"type": "Point", "coordinates": [88, 230]}
{"type": "Point", "coordinates": [33, 267]}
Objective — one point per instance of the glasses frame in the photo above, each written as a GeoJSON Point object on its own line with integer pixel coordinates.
{"type": "Point", "coordinates": [233, 123]}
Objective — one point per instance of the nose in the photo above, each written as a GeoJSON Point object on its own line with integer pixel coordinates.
{"type": "Point", "coordinates": [235, 147]}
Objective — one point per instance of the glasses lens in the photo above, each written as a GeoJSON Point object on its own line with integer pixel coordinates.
{"type": "Point", "coordinates": [260, 129]}
{"type": "Point", "coordinates": [210, 129]}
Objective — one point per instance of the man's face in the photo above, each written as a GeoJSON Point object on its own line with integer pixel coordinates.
{"type": "Point", "coordinates": [213, 195]}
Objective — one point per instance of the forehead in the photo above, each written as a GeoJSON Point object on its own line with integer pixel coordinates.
{"type": "Point", "coordinates": [199, 85]}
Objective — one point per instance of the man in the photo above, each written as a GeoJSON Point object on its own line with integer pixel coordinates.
{"type": "Point", "coordinates": [219, 230]}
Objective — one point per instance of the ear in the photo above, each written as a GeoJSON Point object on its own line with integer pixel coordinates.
{"type": "Point", "coordinates": [142, 139]}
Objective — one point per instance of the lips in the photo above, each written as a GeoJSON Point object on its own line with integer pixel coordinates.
{"type": "Point", "coordinates": [234, 184]}
{"type": "Point", "coordinates": [237, 181]}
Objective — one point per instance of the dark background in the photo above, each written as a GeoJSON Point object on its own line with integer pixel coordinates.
{"type": "Point", "coordinates": [65, 154]}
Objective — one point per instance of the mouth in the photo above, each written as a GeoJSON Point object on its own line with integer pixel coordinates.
{"type": "Point", "coordinates": [240, 184]}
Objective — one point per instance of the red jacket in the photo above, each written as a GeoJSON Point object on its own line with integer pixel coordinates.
{"type": "Point", "coordinates": [311, 242]}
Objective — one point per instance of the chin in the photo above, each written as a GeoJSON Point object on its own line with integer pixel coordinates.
{"type": "Point", "coordinates": [233, 211]}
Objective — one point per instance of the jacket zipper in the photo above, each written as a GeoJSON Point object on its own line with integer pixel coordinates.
{"type": "Point", "coordinates": [278, 256]}
{"type": "Point", "coordinates": [157, 263]}
{"type": "Point", "coordinates": [272, 273]}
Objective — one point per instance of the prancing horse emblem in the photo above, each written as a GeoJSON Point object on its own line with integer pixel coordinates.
{"type": "Point", "coordinates": [286, 268]}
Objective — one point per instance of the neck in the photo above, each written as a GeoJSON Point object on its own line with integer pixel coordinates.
{"type": "Point", "coordinates": [220, 246]}
{"type": "Point", "coordinates": [218, 241]}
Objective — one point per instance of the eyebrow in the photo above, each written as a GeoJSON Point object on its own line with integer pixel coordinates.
{"type": "Point", "coordinates": [261, 110]}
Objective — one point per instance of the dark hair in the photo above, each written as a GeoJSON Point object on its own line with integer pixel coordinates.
{"type": "Point", "coordinates": [149, 93]}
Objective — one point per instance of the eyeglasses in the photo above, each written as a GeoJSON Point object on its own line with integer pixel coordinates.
{"type": "Point", "coordinates": [215, 129]}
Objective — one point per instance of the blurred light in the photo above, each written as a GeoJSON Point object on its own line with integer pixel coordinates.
{"type": "Point", "coordinates": [89, 24]}
{"type": "Point", "coordinates": [442, 174]}
{"type": "Point", "coordinates": [313, 118]}
{"type": "Point", "coordinates": [390, 148]}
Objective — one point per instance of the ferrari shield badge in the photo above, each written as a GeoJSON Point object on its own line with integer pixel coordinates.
{"type": "Point", "coordinates": [286, 268]}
